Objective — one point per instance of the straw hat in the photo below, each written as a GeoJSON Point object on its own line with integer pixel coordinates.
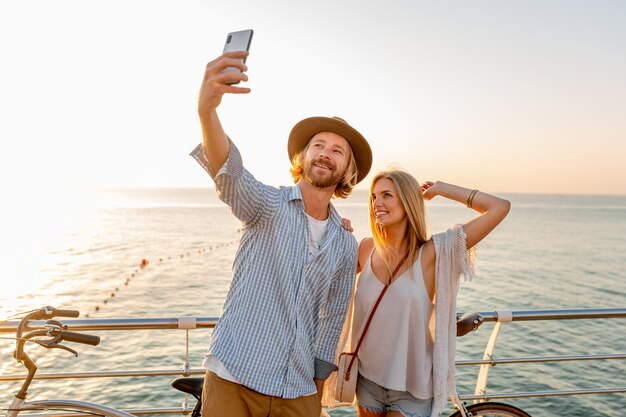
{"type": "Point", "coordinates": [304, 130]}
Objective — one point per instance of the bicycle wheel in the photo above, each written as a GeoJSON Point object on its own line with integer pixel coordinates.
{"type": "Point", "coordinates": [491, 409]}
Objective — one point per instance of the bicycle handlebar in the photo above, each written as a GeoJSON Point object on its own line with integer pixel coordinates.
{"type": "Point", "coordinates": [57, 334]}
{"type": "Point", "coordinates": [49, 312]}
{"type": "Point", "coordinates": [65, 313]}
{"type": "Point", "coordinates": [85, 339]}
{"type": "Point", "coordinates": [62, 334]}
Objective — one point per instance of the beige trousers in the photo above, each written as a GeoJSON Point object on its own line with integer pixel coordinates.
{"type": "Point", "coordinates": [222, 398]}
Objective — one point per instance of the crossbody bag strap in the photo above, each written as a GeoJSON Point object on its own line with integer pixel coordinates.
{"type": "Point", "coordinates": [369, 319]}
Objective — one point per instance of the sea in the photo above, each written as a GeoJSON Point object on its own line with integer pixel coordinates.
{"type": "Point", "coordinates": [149, 253]}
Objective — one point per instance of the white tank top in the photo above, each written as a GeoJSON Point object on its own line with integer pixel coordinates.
{"type": "Point", "coordinates": [397, 350]}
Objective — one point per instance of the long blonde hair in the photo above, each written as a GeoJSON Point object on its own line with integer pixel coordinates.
{"type": "Point", "coordinates": [410, 194]}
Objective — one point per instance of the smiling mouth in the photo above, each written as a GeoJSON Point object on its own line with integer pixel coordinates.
{"type": "Point", "coordinates": [322, 166]}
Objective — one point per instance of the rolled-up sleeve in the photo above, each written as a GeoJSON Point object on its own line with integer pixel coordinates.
{"type": "Point", "coordinates": [332, 316]}
{"type": "Point", "coordinates": [235, 186]}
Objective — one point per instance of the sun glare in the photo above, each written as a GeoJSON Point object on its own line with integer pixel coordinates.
{"type": "Point", "coordinates": [34, 234]}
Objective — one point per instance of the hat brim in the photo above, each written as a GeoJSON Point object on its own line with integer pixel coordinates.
{"type": "Point", "coordinates": [304, 130]}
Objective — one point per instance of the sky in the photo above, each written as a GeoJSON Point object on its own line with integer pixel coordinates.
{"type": "Point", "coordinates": [521, 97]}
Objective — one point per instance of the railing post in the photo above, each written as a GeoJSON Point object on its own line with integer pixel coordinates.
{"type": "Point", "coordinates": [483, 374]}
{"type": "Point", "coordinates": [186, 323]}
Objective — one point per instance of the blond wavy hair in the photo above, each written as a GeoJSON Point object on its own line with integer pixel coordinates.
{"type": "Point", "coordinates": [345, 185]}
{"type": "Point", "coordinates": [410, 194]}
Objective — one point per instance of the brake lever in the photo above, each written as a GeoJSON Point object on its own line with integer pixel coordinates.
{"type": "Point", "coordinates": [57, 337]}
{"type": "Point", "coordinates": [64, 348]}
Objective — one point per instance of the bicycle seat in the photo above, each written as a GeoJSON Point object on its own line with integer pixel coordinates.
{"type": "Point", "coordinates": [189, 385]}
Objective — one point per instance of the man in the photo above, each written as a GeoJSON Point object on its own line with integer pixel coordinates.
{"type": "Point", "coordinates": [275, 342]}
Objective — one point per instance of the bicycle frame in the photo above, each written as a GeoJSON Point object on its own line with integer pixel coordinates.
{"type": "Point", "coordinates": [19, 405]}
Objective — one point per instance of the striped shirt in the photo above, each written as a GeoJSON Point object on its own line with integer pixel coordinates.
{"type": "Point", "coordinates": [285, 308]}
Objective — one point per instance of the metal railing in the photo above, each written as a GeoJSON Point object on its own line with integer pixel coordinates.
{"type": "Point", "coordinates": [486, 363]}
{"type": "Point", "coordinates": [489, 361]}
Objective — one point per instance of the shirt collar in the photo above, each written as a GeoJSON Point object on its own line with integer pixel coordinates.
{"type": "Point", "coordinates": [296, 194]}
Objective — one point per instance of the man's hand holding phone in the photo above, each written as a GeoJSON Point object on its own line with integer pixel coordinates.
{"type": "Point", "coordinates": [224, 72]}
{"type": "Point", "coordinates": [218, 81]}
{"type": "Point", "coordinates": [220, 77]}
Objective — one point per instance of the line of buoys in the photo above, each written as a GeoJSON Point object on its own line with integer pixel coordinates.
{"type": "Point", "coordinates": [144, 263]}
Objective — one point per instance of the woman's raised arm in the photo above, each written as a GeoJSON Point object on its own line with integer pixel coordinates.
{"type": "Point", "coordinates": [492, 209]}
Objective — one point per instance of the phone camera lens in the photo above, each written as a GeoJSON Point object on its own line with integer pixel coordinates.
{"type": "Point", "coordinates": [229, 38]}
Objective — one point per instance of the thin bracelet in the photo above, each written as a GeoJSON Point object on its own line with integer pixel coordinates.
{"type": "Point", "coordinates": [470, 198]}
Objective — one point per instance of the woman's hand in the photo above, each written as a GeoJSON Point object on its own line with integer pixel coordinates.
{"type": "Point", "coordinates": [429, 190]}
{"type": "Point", "coordinates": [347, 224]}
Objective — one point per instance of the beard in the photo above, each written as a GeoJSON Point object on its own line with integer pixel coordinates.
{"type": "Point", "coordinates": [321, 181]}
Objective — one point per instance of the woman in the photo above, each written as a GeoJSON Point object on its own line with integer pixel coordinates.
{"type": "Point", "coordinates": [407, 356]}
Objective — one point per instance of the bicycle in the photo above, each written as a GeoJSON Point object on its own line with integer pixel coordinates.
{"type": "Point", "coordinates": [465, 323]}
{"type": "Point", "coordinates": [53, 334]}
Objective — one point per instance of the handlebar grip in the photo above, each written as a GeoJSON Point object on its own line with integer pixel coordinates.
{"type": "Point", "coordinates": [85, 339]}
{"type": "Point", "coordinates": [65, 313]}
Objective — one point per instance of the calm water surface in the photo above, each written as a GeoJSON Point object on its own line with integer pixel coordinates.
{"type": "Point", "coordinates": [551, 252]}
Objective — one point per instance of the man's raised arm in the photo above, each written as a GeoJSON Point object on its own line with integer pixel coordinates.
{"type": "Point", "coordinates": [214, 85]}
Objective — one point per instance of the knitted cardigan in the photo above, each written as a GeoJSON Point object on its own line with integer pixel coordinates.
{"type": "Point", "coordinates": [453, 260]}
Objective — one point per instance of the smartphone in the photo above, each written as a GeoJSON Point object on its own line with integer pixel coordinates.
{"type": "Point", "coordinates": [237, 41]}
